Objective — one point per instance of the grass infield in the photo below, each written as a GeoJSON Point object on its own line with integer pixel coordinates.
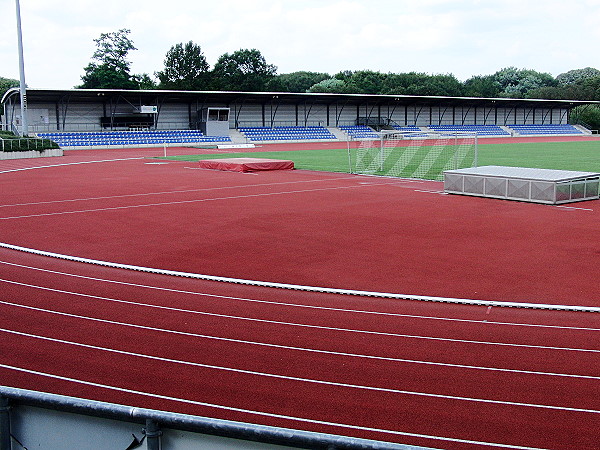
{"type": "Point", "coordinates": [581, 156]}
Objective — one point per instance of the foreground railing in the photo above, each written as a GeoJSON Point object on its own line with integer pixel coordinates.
{"type": "Point", "coordinates": [31, 419]}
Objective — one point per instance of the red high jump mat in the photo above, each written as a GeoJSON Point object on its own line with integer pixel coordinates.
{"type": "Point", "coordinates": [246, 164]}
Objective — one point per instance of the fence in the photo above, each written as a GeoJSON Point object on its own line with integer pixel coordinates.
{"type": "Point", "coordinates": [26, 144]}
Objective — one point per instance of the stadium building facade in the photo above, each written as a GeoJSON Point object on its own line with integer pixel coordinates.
{"type": "Point", "coordinates": [107, 109]}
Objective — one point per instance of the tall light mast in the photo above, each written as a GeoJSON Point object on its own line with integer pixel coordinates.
{"type": "Point", "coordinates": [23, 86]}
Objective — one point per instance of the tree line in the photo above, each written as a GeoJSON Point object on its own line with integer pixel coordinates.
{"type": "Point", "coordinates": [186, 68]}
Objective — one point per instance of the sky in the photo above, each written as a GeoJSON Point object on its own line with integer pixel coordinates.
{"type": "Point", "coordinates": [460, 37]}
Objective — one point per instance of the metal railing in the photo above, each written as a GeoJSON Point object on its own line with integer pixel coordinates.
{"type": "Point", "coordinates": [26, 144]}
{"type": "Point", "coordinates": [70, 408]}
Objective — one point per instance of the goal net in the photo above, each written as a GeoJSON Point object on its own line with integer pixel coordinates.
{"type": "Point", "coordinates": [416, 154]}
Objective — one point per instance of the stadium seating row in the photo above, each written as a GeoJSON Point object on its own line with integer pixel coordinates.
{"type": "Point", "coordinates": [545, 129]}
{"type": "Point", "coordinates": [120, 138]}
{"type": "Point", "coordinates": [481, 130]}
{"type": "Point", "coordinates": [286, 133]}
{"type": "Point", "coordinates": [159, 137]}
{"type": "Point", "coordinates": [359, 131]}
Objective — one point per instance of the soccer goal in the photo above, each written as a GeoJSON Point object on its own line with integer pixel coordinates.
{"type": "Point", "coordinates": [416, 154]}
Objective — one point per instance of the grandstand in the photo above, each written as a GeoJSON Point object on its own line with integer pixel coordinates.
{"type": "Point", "coordinates": [93, 117]}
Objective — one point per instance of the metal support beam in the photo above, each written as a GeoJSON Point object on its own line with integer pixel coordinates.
{"type": "Point", "coordinates": [23, 85]}
{"type": "Point", "coordinates": [4, 424]}
{"type": "Point", "coordinates": [153, 435]}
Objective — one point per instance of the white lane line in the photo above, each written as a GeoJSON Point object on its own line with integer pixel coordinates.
{"type": "Point", "coordinates": [315, 381]}
{"type": "Point", "coordinates": [429, 192]}
{"type": "Point", "coordinates": [573, 207]}
{"type": "Point", "coordinates": [304, 349]}
{"type": "Point", "coordinates": [72, 164]}
{"type": "Point", "coordinates": [234, 197]}
{"type": "Point", "coordinates": [259, 413]}
{"type": "Point", "coordinates": [292, 324]}
{"type": "Point", "coordinates": [296, 305]}
{"type": "Point", "coordinates": [182, 191]}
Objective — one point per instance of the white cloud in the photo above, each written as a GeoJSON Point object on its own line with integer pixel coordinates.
{"type": "Point", "coordinates": [466, 38]}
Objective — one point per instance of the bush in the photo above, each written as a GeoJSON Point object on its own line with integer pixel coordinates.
{"type": "Point", "coordinates": [588, 116]}
{"type": "Point", "coordinates": [11, 143]}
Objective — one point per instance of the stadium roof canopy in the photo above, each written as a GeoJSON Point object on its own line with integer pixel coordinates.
{"type": "Point", "coordinates": [225, 97]}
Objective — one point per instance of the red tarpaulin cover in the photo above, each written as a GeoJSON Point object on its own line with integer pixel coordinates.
{"type": "Point", "coordinates": [246, 164]}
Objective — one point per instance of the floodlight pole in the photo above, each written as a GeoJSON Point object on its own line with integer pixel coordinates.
{"type": "Point", "coordinates": [23, 86]}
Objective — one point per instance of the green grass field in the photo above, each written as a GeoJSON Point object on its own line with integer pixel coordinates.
{"type": "Point", "coordinates": [581, 156]}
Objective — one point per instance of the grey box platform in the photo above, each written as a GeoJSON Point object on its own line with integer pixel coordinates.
{"type": "Point", "coordinates": [520, 183]}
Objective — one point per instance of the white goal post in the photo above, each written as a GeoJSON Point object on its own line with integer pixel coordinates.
{"type": "Point", "coordinates": [415, 154]}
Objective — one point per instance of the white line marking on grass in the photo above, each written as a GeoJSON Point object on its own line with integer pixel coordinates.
{"type": "Point", "coordinates": [259, 413]}
{"type": "Point", "coordinates": [291, 324]}
{"type": "Point", "coordinates": [296, 305]}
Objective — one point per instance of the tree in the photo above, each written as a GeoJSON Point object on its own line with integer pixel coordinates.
{"type": "Point", "coordinates": [331, 85]}
{"type": "Point", "coordinates": [516, 83]}
{"type": "Point", "coordinates": [365, 82]}
{"type": "Point", "coordinates": [482, 86]}
{"type": "Point", "coordinates": [144, 81]}
{"type": "Point", "coordinates": [588, 115]}
{"type": "Point", "coordinates": [577, 76]}
{"type": "Point", "coordinates": [110, 68]}
{"type": "Point", "coordinates": [186, 68]}
{"type": "Point", "coordinates": [5, 85]}
{"type": "Point", "coordinates": [243, 70]}
{"type": "Point", "coordinates": [296, 81]}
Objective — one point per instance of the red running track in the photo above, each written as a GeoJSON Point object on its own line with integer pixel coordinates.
{"type": "Point", "coordinates": [431, 374]}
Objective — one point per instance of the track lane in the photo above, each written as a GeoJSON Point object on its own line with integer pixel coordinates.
{"type": "Point", "coordinates": [293, 393]}
{"type": "Point", "coordinates": [450, 381]}
{"type": "Point", "coordinates": [408, 418]}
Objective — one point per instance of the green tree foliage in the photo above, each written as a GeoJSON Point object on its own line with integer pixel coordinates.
{"type": "Point", "coordinates": [110, 67]}
{"type": "Point", "coordinates": [243, 70]}
{"type": "Point", "coordinates": [516, 83]}
{"type": "Point", "coordinates": [296, 81]}
{"type": "Point", "coordinates": [329, 86]}
{"type": "Point", "coordinates": [144, 81]}
{"type": "Point", "coordinates": [482, 86]}
{"type": "Point", "coordinates": [5, 85]}
{"type": "Point", "coordinates": [414, 83]}
{"type": "Point", "coordinates": [577, 76]}
{"type": "Point", "coordinates": [186, 68]}
{"type": "Point", "coordinates": [364, 82]}
{"type": "Point", "coordinates": [589, 115]}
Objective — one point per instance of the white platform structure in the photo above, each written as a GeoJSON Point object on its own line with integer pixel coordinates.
{"type": "Point", "coordinates": [523, 184]}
